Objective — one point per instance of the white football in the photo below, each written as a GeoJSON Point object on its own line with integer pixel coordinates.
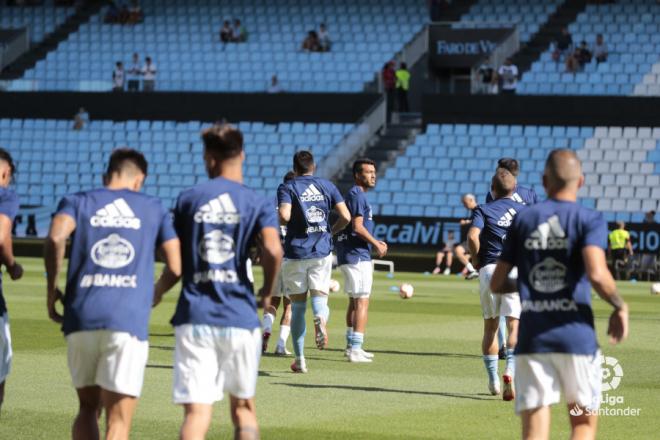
{"type": "Point", "coordinates": [334, 286]}
{"type": "Point", "coordinates": [655, 289]}
{"type": "Point", "coordinates": [406, 291]}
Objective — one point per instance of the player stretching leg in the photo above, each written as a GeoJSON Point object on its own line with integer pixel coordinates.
{"type": "Point", "coordinates": [109, 291]}
{"type": "Point", "coordinates": [278, 296]}
{"type": "Point", "coordinates": [304, 208]}
{"type": "Point", "coordinates": [8, 209]}
{"type": "Point", "coordinates": [490, 223]}
{"type": "Point", "coordinates": [559, 247]}
{"type": "Point", "coordinates": [470, 203]}
{"type": "Point", "coordinates": [354, 257]}
{"type": "Point", "coordinates": [218, 337]}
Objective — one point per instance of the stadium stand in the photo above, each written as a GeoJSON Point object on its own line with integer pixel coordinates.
{"type": "Point", "coordinates": [630, 29]}
{"type": "Point", "coordinates": [40, 21]}
{"type": "Point", "coordinates": [621, 166]}
{"type": "Point", "coordinates": [183, 40]}
{"type": "Point", "coordinates": [54, 160]}
{"type": "Point", "coordinates": [525, 15]}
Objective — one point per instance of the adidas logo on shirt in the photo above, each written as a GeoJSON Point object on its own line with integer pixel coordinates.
{"type": "Point", "coordinates": [548, 235]}
{"type": "Point", "coordinates": [115, 215]}
{"type": "Point", "coordinates": [218, 211]}
{"type": "Point", "coordinates": [507, 218]}
{"type": "Point", "coordinates": [311, 194]}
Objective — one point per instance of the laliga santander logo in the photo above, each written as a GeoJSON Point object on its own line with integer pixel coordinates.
{"type": "Point", "coordinates": [612, 373]}
{"type": "Point", "coordinates": [576, 411]}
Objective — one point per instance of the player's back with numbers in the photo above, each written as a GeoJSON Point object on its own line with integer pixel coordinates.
{"type": "Point", "coordinates": [217, 221]}
{"type": "Point", "coordinates": [111, 272]}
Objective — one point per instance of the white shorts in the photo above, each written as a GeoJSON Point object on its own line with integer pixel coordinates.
{"type": "Point", "coordinates": [358, 278]}
{"type": "Point", "coordinates": [279, 286]}
{"type": "Point", "coordinates": [114, 361]}
{"type": "Point", "coordinates": [494, 305]}
{"type": "Point", "coordinates": [5, 347]}
{"type": "Point", "coordinates": [310, 274]}
{"type": "Point", "coordinates": [209, 361]}
{"type": "Point", "coordinates": [542, 377]}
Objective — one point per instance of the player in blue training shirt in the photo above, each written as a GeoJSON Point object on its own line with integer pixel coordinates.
{"type": "Point", "coordinates": [8, 209]}
{"type": "Point", "coordinates": [217, 329]}
{"type": "Point", "coordinates": [278, 296]}
{"type": "Point", "coordinates": [353, 246]}
{"type": "Point", "coordinates": [304, 207]}
{"type": "Point", "coordinates": [559, 247]}
{"type": "Point", "coordinates": [521, 194]}
{"type": "Point", "coordinates": [486, 236]}
{"type": "Point", "coordinates": [115, 232]}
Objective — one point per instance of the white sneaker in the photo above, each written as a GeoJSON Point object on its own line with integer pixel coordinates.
{"type": "Point", "coordinates": [281, 351]}
{"type": "Point", "coordinates": [472, 275]}
{"type": "Point", "coordinates": [347, 352]}
{"type": "Point", "coordinates": [494, 387]}
{"type": "Point", "coordinates": [358, 355]}
{"type": "Point", "coordinates": [447, 271]}
{"type": "Point", "coordinates": [298, 366]}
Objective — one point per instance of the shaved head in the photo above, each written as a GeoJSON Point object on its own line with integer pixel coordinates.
{"type": "Point", "coordinates": [563, 171]}
{"type": "Point", "coordinates": [503, 183]}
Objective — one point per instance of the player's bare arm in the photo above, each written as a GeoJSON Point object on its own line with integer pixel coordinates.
{"type": "Point", "coordinates": [343, 219]}
{"type": "Point", "coordinates": [473, 244]}
{"type": "Point", "coordinates": [603, 283]}
{"type": "Point", "coordinates": [60, 230]}
{"type": "Point", "coordinates": [284, 213]}
{"type": "Point", "coordinates": [500, 281]}
{"type": "Point", "coordinates": [170, 251]}
{"type": "Point", "coordinates": [14, 269]}
{"type": "Point", "coordinates": [361, 231]}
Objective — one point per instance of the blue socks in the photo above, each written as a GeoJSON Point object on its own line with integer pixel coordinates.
{"type": "Point", "coordinates": [298, 327]}
{"type": "Point", "coordinates": [357, 341]}
{"type": "Point", "coordinates": [510, 361]}
{"type": "Point", "coordinates": [490, 361]}
{"type": "Point", "coordinates": [320, 307]}
{"type": "Point", "coordinates": [501, 332]}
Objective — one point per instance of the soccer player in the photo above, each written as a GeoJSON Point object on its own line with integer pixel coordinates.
{"type": "Point", "coordinates": [278, 295]}
{"type": "Point", "coordinates": [217, 329]}
{"type": "Point", "coordinates": [490, 223]}
{"type": "Point", "coordinates": [354, 257]}
{"type": "Point", "coordinates": [109, 291]}
{"type": "Point", "coordinates": [559, 247]}
{"type": "Point", "coordinates": [8, 209]}
{"type": "Point", "coordinates": [521, 194]}
{"type": "Point", "coordinates": [470, 203]}
{"type": "Point", "coordinates": [304, 208]}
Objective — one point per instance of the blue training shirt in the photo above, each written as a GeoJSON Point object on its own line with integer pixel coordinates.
{"type": "Point", "coordinates": [110, 280]}
{"type": "Point", "coordinates": [217, 221]}
{"type": "Point", "coordinates": [494, 220]}
{"type": "Point", "coordinates": [9, 207]}
{"type": "Point", "coordinates": [308, 231]}
{"type": "Point", "coordinates": [350, 248]}
{"type": "Point", "coordinates": [521, 194]}
{"type": "Point", "coordinates": [545, 243]}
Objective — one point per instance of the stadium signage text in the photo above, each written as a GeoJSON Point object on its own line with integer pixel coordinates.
{"type": "Point", "coordinates": [644, 237]}
{"type": "Point", "coordinates": [462, 48]}
{"type": "Point", "coordinates": [425, 232]}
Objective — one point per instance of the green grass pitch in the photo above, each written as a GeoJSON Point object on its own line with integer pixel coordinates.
{"type": "Point", "coordinates": [427, 381]}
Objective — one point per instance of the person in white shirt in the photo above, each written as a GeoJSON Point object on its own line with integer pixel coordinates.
{"type": "Point", "coordinates": [149, 72]}
{"type": "Point", "coordinates": [324, 38]}
{"type": "Point", "coordinates": [508, 75]}
{"type": "Point", "coordinates": [600, 49]}
{"type": "Point", "coordinates": [118, 77]}
{"type": "Point", "coordinates": [134, 74]}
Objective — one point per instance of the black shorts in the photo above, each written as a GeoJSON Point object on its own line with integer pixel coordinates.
{"type": "Point", "coordinates": [619, 254]}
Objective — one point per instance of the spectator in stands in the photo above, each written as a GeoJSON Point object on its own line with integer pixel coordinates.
{"type": "Point", "coordinates": [311, 42]}
{"type": "Point", "coordinates": [149, 72]}
{"type": "Point", "coordinates": [226, 32]}
{"type": "Point", "coordinates": [402, 87]}
{"type": "Point", "coordinates": [649, 217]}
{"type": "Point", "coordinates": [274, 86]}
{"type": "Point", "coordinates": [240, 33]}
{"type": "Point", "coordinates": [135, 13]}
{"type": "Point", "coordinates": [389, 86]}
{"type": "Point", "coordinates": [578, 59]}
{"type": "Point", "coordinates": [324, 38]}
{"type": "Point", "coordinates": [600, 49]}
{"type": "Point", "coordinates": [134, 74]}
{"type": "Point", "coordinates": [487, 79]}
{"type": "Point", "coordinates": [80, 119]}
{"type": "Point", "coordinates": [445, 254]}
{"type": "Point", "coordinates": [508, 77]}
{"type": "Point", "coordinates": [112, 14]}
{"type": "Point", "coordinates": [620, 246]}
{"type": "Point", "coordinates": [118, 77]}
{"type": "Point", "coordinates": [563, 44]}
{"type": "Point", "coordinates": [124, 14]}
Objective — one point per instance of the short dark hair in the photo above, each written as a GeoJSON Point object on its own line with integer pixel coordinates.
{"type": "Point", "coordinates": [288, 176]}
{"type": "Point", "coordinates": [303, 162]}
{"type": "Point", "coordinates": [357, 165]}
{"type": "Point", "coordinates": [223, 141]}
{"type": "Point", "coordinates": [6, 156]}
{"type": "Point", "coordinates": [123, 157]}
{"type": "Point", "coordinates": [510, 164]}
